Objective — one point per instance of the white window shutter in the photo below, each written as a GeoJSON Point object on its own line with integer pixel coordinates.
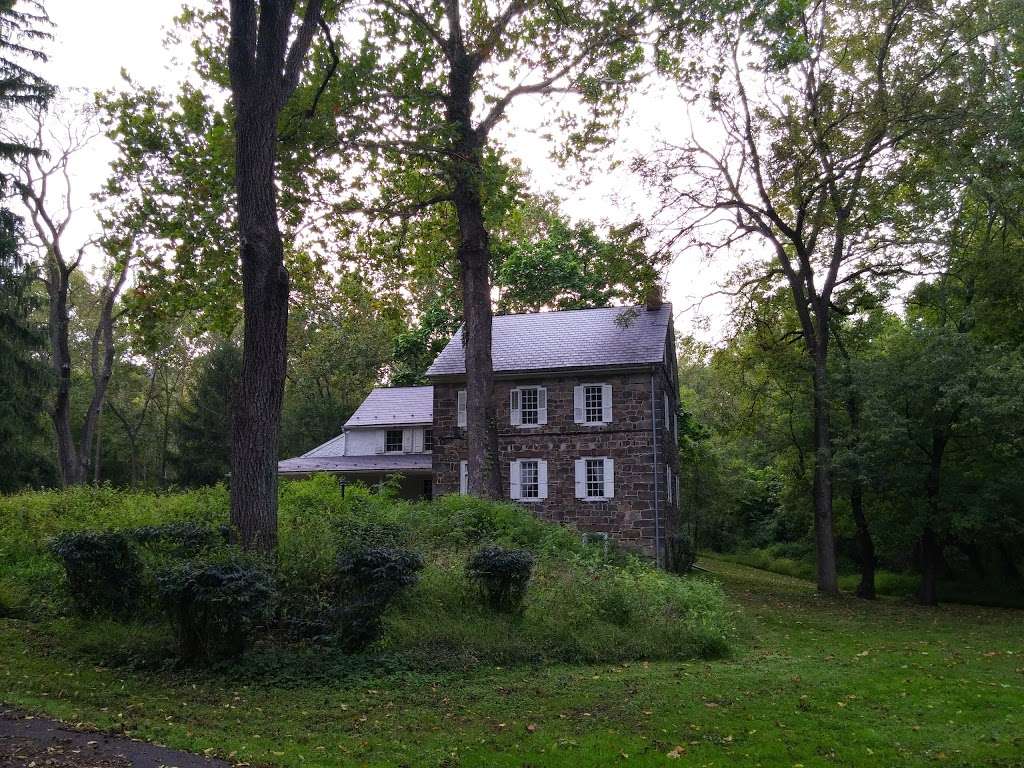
{"type": "Point", "coordinates": [381, 437]}
{"type": "Point", "coordinates": [417, 440]}
{"type": "Point", "coordinates": [606, 403]}
{"type": "Point", "coordinates": [542, 405]}
{"type": "Point", "coordinates": [578, 413]}
{"type": "Point", "coordinates": [581, 479]}
{"type": "Point", "coordinates": [463, 477]}
{"type": "Point", "coordinates": [515, 408]}
{"type": "Point", "coordinates": [668, 483]}
{"type": "Point", "coordinates": [460, 407]}
{"type": "Point", "coordinates": [609, 478]}
{"type": "Point", "coordinates": [666, 410]}
{"type": "Point", "coordinates": [513, 480]}
{"type": "Point", "coordinates": [407, 441]}
{"type": "Point", "coordinates": [542, 479]}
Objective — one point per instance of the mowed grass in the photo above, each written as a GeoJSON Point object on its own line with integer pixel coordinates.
{"type": "Point", "coordinates": [813, 682]}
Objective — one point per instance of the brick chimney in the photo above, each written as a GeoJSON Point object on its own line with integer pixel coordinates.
{"type": "Point", "coordinates": [655, 300]}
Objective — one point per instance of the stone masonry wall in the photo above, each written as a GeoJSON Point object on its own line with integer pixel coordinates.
{"type": "Point", "coordinates": [629, 516]}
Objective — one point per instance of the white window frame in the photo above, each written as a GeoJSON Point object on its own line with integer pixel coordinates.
{"type": "Point", "coordinates": [515, 406]}
{"type": "Point", "coordinates": [463, 477]}
{"type": "Point", "coordinates": [667, 411]}
{"type": "Point", "coordinates": [581, 478]}
{"type": "Point", "coordinates": [579, 404]}
{"type": "Point", "coordinates": [668, 484]}
{"type": "Point", "coordinates": [515, 473]}
{"type": "Point", "coordinates": [423, 440]}
{"type": "Point", "coordinates": [460, 408]}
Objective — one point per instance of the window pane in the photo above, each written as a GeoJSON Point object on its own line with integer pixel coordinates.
{"type": "Point", "coordinates": [528, 404]}
{"type": "Point", "coordinates": [428, 439]}
{"type": "Point", "coordinates": [529, 480]}
{"type": "Point", "coordinates": [595, 477]}
{"type": "Point", "coordinates": [393, 441]}
{"type": "Point", "coordinates": [593, 402]}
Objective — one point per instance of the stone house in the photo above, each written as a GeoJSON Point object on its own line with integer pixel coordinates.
{"type": "Point", "coordinates": [586, 405]}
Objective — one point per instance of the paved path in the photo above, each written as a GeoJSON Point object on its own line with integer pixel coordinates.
{"type": "Point", "coordinates": [43, 743]}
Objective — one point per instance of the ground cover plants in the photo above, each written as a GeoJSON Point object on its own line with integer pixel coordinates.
{"type": "Point", "coordinates": [811, 681]}
{"type": "Point", "coordinates": [451, 583]}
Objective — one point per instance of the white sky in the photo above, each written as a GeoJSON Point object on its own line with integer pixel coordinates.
{"type": "Point", "coordinates": [95, 40]}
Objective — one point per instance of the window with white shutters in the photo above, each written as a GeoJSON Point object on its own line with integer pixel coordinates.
{"type": "Point", "coordinates": [528, 406]}
{"type": "Point", "coordinates": [595, 479]}
{"type": "Point", "coordinates": [460, 408]}
{"type": "Point", "coordinates": [393, 441]}
{"type": "Point", "coordinates": [528, 479]}
{"type": "Point", "coordinates": [592, 403]}
{"type": "Point", "coordinates": [463, 477]}
{"type": "Point", "coordinates": [668, 484]}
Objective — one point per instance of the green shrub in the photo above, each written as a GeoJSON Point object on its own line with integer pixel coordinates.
{"type": "Point", "coordinates": [216, 605]}
{"type": "Point", "coordinates": [502, 575]}
{"type": "Point", "coordinates": [367, 582]}
{"type": "Point", "coordinates": [680, 553]}
{"type": "Point", "coordinates": [103, 572]}
{"type": "Point", "coordinates": [180, 539]}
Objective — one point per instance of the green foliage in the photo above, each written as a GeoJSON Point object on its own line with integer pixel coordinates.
{"type": "Point", "coordinates": [502, 576]}
{"type": "Point", "coordinates": [104, 574]}
{"type": "Point", "coordinates": [24, 450]}
{"type": "Point", "coordinates": [203, 424]}
{"type": "Point", "coordinates": [215, 605]}
{"type": "Point", "coordinates": [628, 610]}
{"type": "Point", "coordinates": [367, 582]}
{"type": "Point", "coordinates": [681, 553]}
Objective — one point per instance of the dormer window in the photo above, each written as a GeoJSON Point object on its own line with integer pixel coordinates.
{"type": "Point", "coordinates": [393, 441]}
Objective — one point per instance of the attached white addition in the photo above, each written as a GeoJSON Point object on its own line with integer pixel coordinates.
{"type": "Point", "coordinates": [528, 406]}
{"type": "Point", "coordinates": [528, 479]}
{"type": "Point", "coordinates": [595, 479]}
{"type": "Point", "coordinates": [592, 403]}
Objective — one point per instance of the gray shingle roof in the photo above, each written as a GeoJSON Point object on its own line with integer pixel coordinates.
{"type": "Point", "coordinates": [410, 462]}
{"type": "Point", "coordinates": [584, 338]}
{"type": "Point", "coordinates": [333, 447]}
{"type": "Point", "coordinates": [395, 405]}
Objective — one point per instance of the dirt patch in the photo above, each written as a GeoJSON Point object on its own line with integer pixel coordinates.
{"type": "Point", "coordinates": [38, 742]}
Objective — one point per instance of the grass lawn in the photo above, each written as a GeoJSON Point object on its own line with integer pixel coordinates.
{"type": "Point", "coordinates": [814, 682]}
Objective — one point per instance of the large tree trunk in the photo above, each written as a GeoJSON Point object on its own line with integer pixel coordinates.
{"type": "Point", "coordinates": [264, 71]}
{"type": "Point", "coordinates": [824, 536]}
{"type": "Point", "coordinates": [257, 413]}
{"type": "Point", "coordinates": [60, 359]}
{"type": "Point", "coordinates": [474, 251]}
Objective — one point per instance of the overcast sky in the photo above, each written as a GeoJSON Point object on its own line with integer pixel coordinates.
{"type": "Point", "coordinates": [94, 41]}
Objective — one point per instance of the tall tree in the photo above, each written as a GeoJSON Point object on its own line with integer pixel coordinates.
{"type": "Point", "coordinates": [44, 183]}
{"type": "Point", "coordinates": [817, 105]}
{"type": "Point", "coordinates": [265, 63]}
{"type": "Point", "coordinates": [425, 92]}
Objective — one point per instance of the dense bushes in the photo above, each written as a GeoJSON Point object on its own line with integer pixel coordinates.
{"type": "Point", "coordinates": [104, 574]}
{"type": "Point", "coordinates": [502, 575]}
{"type": "Point", "coordinates": [367, 582]}
{"type": "Point", "coordinates": [345, 579]}
{"type": "Point", "coordinates": [680, 553]}
{"type": "Point", "coordinates": [216, 605]}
